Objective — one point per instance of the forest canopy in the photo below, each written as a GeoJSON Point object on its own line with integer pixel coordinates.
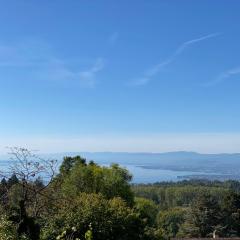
{"type": "Point", "coordinates": [83, 200]}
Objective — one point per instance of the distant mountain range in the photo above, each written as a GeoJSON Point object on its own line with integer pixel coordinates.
{"type": "Point", "coordinates": [224, 164]}
{"type": "Point", "coordinates": [181, 161]}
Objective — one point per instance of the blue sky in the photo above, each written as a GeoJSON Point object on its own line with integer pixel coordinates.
{"type": "Point", "coordinates": [120, 75]}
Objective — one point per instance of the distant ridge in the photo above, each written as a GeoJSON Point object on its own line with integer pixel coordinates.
{"type": "Point", "coordinates": [210, 166]}
{"type": "Point", "coordinates": [227, 163]}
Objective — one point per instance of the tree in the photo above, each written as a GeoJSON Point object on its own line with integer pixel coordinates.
{"type": "Point", "coordinates": [3, 192]}
{"type": "Point", "coordinates": [24, 193]}
{"type": "Point", "coordinates": [12, 180]}
{"type": "Point", "coordinates": [203, 218]}
{"type": "Point", "coordinates": [69, 162]}
{"type": "Point", "coordinates": [231, 214]}
{"type": "Point", "coordinates": [110, 181]}
{"type": "Point", "coordinates": [147, 209]}
{"type": "Point", "coordinates": [107, 219]}
{"type": "Point", "coordinates": [170, 221]}
{"type": "Point", "coordinates": [7, 229]}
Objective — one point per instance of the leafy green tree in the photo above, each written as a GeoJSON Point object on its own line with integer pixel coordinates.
{"type": "Point", "coordinates": [109, 219]}
{"type": "Point", "coordinates": [110, 181]}
{"type": "Point", "coordinates": [147, 209]}
{"type": "Point", "coordinates": [69, 162]}
{"type": "Point", "coordinates": [170, 221]}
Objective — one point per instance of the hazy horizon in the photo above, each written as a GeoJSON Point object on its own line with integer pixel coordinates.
{"type": "Point", "coordinates": [202, 143]}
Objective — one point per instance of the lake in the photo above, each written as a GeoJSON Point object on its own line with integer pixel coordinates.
{"type": "Point", "coordinates": [148, 175]}
{"type": "Point", "coordinates": [141, 174]}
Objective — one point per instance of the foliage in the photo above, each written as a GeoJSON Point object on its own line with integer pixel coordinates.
{"type": "Point", "coordinates": [70, 162]}
{"type": "Point", "coordinates": [173, 195]}
{"type": "Point", "coordinates": [110, 181]}
{"type": "Point", "coordinates": [147, 209]}
{"type": "Point", "coordinates": [87, 201]}
{"type": "Point", "coordinates": [204, 217]}
{"type": "Point", "coordinates": [109, 219]}
{"type": "Point", "coordinates": [231, 212]}
{"type": "Point", "coordinates": [21, 193]}
{"type": "Point", "coordinates": [170, 221]}
{"type": "Point", "coordinates": [7, 229]}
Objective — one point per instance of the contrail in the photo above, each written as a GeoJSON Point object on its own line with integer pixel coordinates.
{"type": "Point", "coordinates": [157, 68]}
{"type": "Point", "coordinates": [228, 74]}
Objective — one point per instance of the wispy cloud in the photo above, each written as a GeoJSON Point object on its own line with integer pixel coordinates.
{"type": "Point", "coordinates": [223, 77]}
{"type": "Point", "coordinates": [89, 76]}
{"type": "Point", "coordinates": [149, 74]}
{"type": "Point", "coordinates": [42, 64]}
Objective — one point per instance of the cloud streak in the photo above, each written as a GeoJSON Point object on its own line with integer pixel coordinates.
{"type": "Point", "coordinates": [41, 64]}
{"type": "Point", "coordinates": [149, 74]}
{"type": "Point", "coordinates": [89, 76]}
{"type": "Point", "coordinates": [223, 77]}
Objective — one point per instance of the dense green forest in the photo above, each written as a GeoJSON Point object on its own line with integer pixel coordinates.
{"type": "Point", "coordinates": [82, 200]}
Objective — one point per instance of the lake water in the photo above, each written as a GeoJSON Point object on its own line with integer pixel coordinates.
{"type": "Point", "coordinates": [140, 175]}
{"type": "Point", "coordinates": [146, 175]}
{"type": "Point", "coordinates": [143, 175]}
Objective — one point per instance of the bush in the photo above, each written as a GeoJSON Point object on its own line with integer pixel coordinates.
{"type": "Point", "coordinates": [109, 219]}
